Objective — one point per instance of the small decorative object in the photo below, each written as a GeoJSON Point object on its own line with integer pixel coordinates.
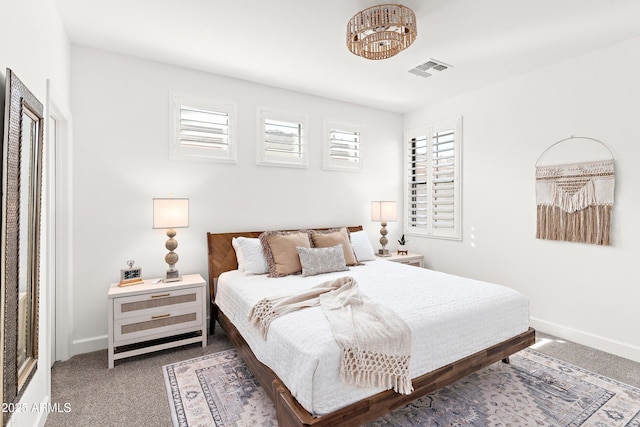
{"type": "Point", "coordinates": [402, 250]}
{"type": "Point", "coordinates": [170, 214]}
{"type": "Point", "coordinates": [380, 32]}
{"type": "Point", "coordinates": [130, 276]}
{"type": "Point", "coordinates": [384, 211]}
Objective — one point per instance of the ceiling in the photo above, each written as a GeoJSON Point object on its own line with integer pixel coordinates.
{"type": "Point", "coordinates": [300, 44]}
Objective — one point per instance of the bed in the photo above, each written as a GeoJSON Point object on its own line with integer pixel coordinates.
{"type": "Point", "coordinates": [320, 399]}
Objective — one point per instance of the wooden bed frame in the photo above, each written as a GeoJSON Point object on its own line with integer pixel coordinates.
{"type": "Point", "coordinates": [289, 411]}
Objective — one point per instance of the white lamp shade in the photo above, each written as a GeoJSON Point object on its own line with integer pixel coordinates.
{"type": "Point", "coordinates": [170, 213]}
{"type": "Point", "coordinates": [384, 211]}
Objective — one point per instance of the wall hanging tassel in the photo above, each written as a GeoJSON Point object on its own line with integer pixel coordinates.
{"type": "Point", "coordinates": [575, 201]}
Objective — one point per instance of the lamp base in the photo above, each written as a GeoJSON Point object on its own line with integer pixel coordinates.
{"type": "Point", "coordinates": [383, 252]}
{"type": "Point", "coordinates": [172, 276]}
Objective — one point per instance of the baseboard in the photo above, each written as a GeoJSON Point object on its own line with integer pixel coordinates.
{"type": "Point", "coordinates": [618, 348]}
{"type": "Point", "coordinates": [87, 345]}
{"type": "Point", "coordinates": [42, 414]}
{"type": "Point", "coordinates": [26, 417]}
{"type": "Point", "coordinates": [595, 341]}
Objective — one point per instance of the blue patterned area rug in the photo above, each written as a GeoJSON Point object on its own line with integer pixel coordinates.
{"type": "Point", "coordinates": [534, 390]}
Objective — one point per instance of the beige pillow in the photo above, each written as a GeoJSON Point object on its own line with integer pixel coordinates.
{"type": "Point", "coordinates": [333, 237]}
{"type": "Point", "coordinates": [280, 251]}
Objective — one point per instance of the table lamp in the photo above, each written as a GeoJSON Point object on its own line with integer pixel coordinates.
{"type": "Point", "coordinates": [170, 214]}
{"type": "Point", "coordinates": [384, 212]}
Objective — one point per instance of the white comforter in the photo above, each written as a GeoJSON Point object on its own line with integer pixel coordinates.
{"type": "Point", "coordinates": [450, 317]}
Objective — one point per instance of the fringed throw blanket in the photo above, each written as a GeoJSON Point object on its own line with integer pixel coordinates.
{"type": "Point", "coordinates": [267, 310]}
{"type": "Point", "coordinates": [575, 202]}
{"type": "Point", "coordinates": [375, 342]}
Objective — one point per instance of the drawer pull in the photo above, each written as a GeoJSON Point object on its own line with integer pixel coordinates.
{"type": "Point", "coordinates": [160, 316]}
{"type": "Point", "coordinates": [160, 296]}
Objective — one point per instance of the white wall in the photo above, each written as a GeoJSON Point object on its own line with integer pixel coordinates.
{"type": "Point", "coordinates": [121, 132]}
{"type": "Point", "coordinates": [581, 292]}
{"type": "Point", "coordinates": [34, 45]}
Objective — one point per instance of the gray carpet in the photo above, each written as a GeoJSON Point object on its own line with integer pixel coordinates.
{"type": "Point", "coordinates": [131, 394]}
{"type": "Point", "coordinates": [134, 394]}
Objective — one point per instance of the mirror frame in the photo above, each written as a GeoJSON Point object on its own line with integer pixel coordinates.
{"type": "Point", "coordinates": [18, 102]}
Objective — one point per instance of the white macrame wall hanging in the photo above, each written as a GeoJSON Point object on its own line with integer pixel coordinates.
{"type": "Point", "coordinates": [575, 199]}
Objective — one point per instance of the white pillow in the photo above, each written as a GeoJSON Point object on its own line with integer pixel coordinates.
{"type": "Point", "coordinates": [249, 255]}
{"type": "Point", "coordinates": [362, 246]}
{"type": "Point", "coordinates": [239, 258]}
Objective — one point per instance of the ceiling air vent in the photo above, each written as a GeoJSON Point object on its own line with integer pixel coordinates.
{"type": "Point", "coordinates": [426, 69]}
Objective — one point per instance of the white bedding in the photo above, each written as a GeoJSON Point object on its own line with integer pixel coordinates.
{"type": "Point", "coordinates": [450, 317]}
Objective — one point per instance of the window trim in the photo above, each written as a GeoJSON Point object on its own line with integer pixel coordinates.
{"type": "Point", "coordinates": [265, 158]}
{"type": "Point", "coordinates": [177, 151]}
{"type": "Point", "coordinates": [454, 233]}
{"type": "Point", "coordinates": [327, 162]}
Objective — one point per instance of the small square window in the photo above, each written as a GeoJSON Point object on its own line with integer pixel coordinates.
{"type": "Point", "coordinates": [202, 129]}
{"type": "Point", "coordinates": [342, 146]}
{"type": "Point", "coordinates": [282, 139]}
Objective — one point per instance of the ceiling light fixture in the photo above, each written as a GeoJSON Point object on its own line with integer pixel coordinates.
{"type": "Point", "coordinates": [380, 32]}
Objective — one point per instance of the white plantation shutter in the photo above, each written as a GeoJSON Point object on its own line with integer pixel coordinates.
{"type": "Point", "coordinates": [202, 129]}
{"type": "Point", "coordinates": [433, 180]}
{"type": "Point", "coordinates": [342, 146]}
{"type": "Point", "coordinates": [418, 195]}
{"type": "Point", "coordinates": [282, 139]}
{"type": "Point", "coordinates": [443, 179]}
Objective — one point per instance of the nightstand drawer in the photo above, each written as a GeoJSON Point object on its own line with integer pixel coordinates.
{"type": "Point", "coordinates": [415, 263]}
{"type": "Point", "coordinates": [156, 303]}
{"type": "Point", "coordinates": [164, 321]}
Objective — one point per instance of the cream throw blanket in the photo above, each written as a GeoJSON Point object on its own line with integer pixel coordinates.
{"type": "Point", "coordinates": [375, 341]}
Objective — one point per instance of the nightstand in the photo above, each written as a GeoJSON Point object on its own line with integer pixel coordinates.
{"type": "Point", "coordinates": [154, 316]}
{"type": "Point", "coordinates": [411, 259]}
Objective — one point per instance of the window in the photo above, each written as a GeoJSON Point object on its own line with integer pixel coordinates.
{"type": "Point", "coordinates": [341, 148]}
{"type": "Point", "coordinates": [202, 129]}
{"type": "Point", "coordinates": [433, 180]}
{"type": "Point", "coordinates": [282, 139]}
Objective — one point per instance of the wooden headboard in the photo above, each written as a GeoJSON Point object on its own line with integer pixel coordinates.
{"type": "Point", "coordinates": [222, 257]}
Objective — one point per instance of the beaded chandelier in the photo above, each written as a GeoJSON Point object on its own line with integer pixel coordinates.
{"type": "Point", "coordinates": [380, 32]}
